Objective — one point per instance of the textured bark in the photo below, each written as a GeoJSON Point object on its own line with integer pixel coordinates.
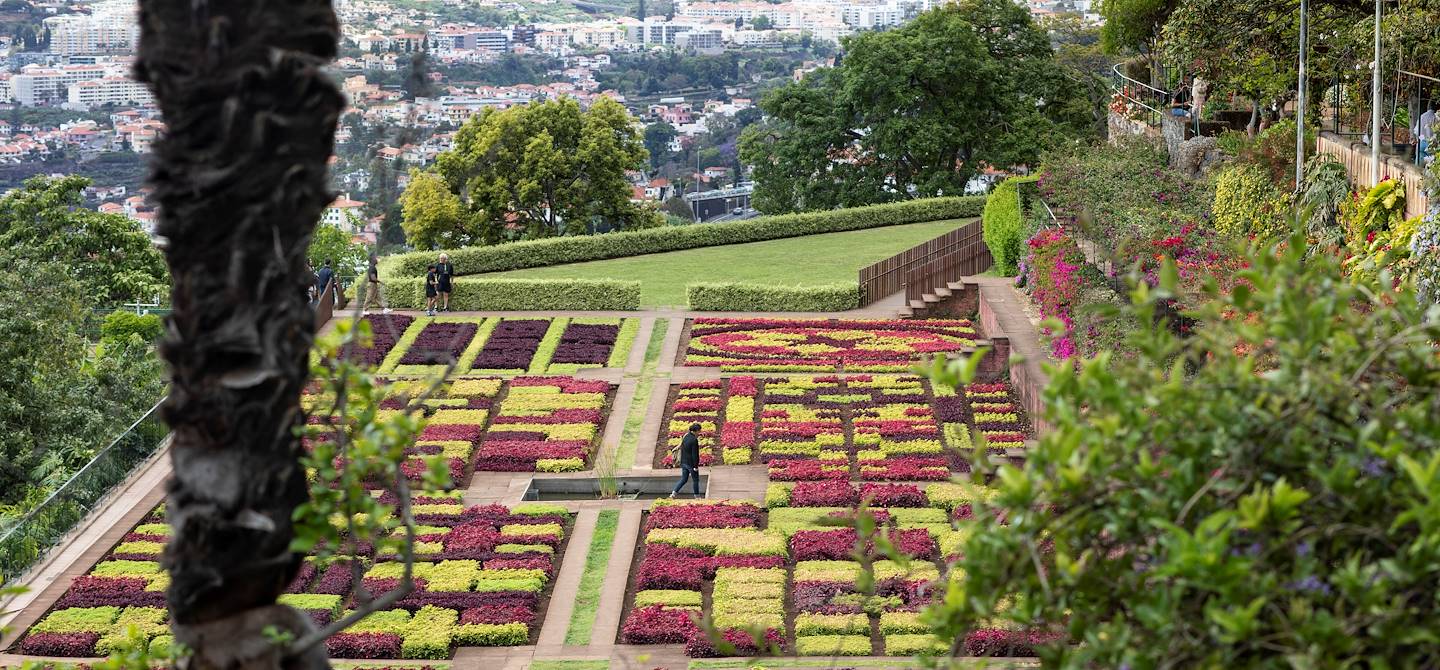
{"type": "Point", "coordinates": [240, 182]}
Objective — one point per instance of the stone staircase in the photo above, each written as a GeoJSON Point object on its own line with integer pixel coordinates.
{"type": "Point", "coordinates": [956, 298]}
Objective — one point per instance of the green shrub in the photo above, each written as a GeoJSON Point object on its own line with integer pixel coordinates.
{"type": "Point", "coordinates": [668, 598]}
{"type": "Point", "coordinates": [1004, 224]}
{"type": "Point", "coordinates": [493, 294]}
{"type": "Point", "coordinates": [311, 601]}
{"type": "Point", "coordinates": [119, 326]}
{"type": "Point", "coordinates": [78, 620]}
{"type": "Point", "coordinates": [1247, 202]}
{"type": "Point", "coordinates": [1310, 402]}
{"type": "Point", "coordinates": [741, 297]}
{"type": "Point", "coordinates": [559, 250]}
{"type": "Point", "coordinates": [897, 623]}
{"type": "Point", "coordinates": [810, 625]}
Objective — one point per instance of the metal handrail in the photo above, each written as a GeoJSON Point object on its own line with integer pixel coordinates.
{"type": "Point", "coordinates": [64, 488]}
{"type": "Point", "coordinates": [1116, 69]}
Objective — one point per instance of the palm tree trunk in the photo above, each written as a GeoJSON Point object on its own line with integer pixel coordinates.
{"type": "Point", "coordinates": [240, 182]}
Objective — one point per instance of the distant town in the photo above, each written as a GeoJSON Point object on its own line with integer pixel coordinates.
{"type": "Point", "coordinates": [414, 72]}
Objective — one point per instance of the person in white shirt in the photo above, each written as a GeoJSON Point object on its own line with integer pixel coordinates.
{"type": "Point", "coordinates": [1425, 134]}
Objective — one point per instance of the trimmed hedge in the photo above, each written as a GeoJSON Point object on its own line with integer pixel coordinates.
{"type": "Point", "coordinates": [491, 294]}
{"type": "Point", "coordinates": [1004, 224]}
{"type": "Point", "coordinates": [560, 250]}
{"type": "Point", "coordinates": [741, 297]}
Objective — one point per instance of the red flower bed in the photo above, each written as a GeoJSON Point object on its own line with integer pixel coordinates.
{"type": "Point", "coordinates": [512, 345]}
{"type": "Point", "coordinates": [824, 494]}
{"type": "Point", "coordinates": [364, 645]}
{"type": "Point", "coordinates": [60, 644]}
{"type": "Point", "coordinates": [734, 642]}
{"type": "Point", "coordinates": [1006, 643]}
{"type": "Point", "coordinates": [823, 545]}
{"type": "Point", "coordinates": [586, 344]}
{"type": "Point", "coordinates": [893, 495]}
{"type": "Point", "coordinates": [704, 516]}
{"type": "Point", "coordinates": [658, 625]}
{"type": "Point", "coordinates": [804, 470]}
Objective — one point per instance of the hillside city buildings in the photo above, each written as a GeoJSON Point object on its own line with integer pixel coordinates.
{"type": "Point", "coordinates": [85, 69]}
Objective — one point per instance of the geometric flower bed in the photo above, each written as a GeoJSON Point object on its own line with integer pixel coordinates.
{"type": "Point", "coordinates": [690, 543]}
{"type": "Point", "coordinates": [823, 345]}
{"type": "Point", "coordinates": [506, 346]}
{"type": "Point", "coordinates": [997, 416]}
{"type": "Point", "coordinates": [791, 573]}
{"type": "Point", "coordinates": [480, 575]}
{"type": "Point", "coordinates": [545, 424]}
{"type": "Point", "coordinates": [856, 427]}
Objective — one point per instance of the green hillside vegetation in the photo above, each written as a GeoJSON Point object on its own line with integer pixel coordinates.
{"type": "Point", "coordinates": [809, 261]}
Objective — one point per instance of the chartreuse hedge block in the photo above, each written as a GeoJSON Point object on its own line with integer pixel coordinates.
{"type": "Point", "coordinates": [492, 635]}
{"type": "Point", "coordinates": [668, 598]}
{"type": "Point", "coordinates": [493, 294]}
{"type": "Point", "coordinates": [78, 620]}
{"type": "Point", "coordinates": [833, 645]}
{"type": "Point", "coordinates": [809, 625]}
{"type": "Point", "coordinates": [311, 601]}
{"type": "Point", "coordinates": [430, 633]}
{"type": "Point", "coordinates": [743, 297]}
{"type": "Point", "coordinates": [916, 644]}
{"type": "Point", "coordinates": [540, 509]}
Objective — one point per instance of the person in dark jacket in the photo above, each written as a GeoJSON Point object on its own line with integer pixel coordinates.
{"type": "Point", "coordinates": [689, 460]}
{"type": "Point", "coordinates": [323, 280]}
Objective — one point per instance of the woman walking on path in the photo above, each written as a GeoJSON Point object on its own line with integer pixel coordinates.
{"type": "Point", "coordinates": [689, 461]}
{"type": "Point", "coordinates": [372, 278]}
{"type": "Point", "coordinates": [444, 271]}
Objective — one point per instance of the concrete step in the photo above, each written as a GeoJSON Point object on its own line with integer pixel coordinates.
{"type": "Point", "coordinates": [944, 292]}
{"type": "Point", "coordinates": [918, 305]}
{"type": "Point", "coordinates": [930, 298]}
{"type": "Point", "coordinates": [955, 285]}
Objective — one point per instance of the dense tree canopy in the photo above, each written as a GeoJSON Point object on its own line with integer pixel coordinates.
{"type": "Point", "coordinates": [539, 170]}
{"type": "Point", "coordinates": [914, 112]}
{"type": "Point", "coordinates": [111, 259]}
{"type": "Point", "coordinates": [335, 245]}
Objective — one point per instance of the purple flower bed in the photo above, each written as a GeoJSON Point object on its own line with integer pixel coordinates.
{"type": "Point", "coordinates": [512, 344]}
{"type": "Point", "coordinates": [60, 644]}
{"type": "Point", "coordinates": [364, 645]}
{"type": "Point", "coordinates": [387, 329]}
{"type": "Point", "coordinates": [584, 343]}
{"type": "Point", "coordinates": [440, 343]}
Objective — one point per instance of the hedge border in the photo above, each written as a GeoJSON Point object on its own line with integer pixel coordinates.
{"type": "Point", "coordinates": [483, 294]}
{"type": "Point", "coordinates": [743, 297]}
{"type": "Point", "coordinates": [1003, 222]}
{"type": "Point", "coordinates": [577, 249]}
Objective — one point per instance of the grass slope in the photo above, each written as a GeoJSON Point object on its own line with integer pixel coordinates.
{"type": "Point", "coordinates": [795, 261]}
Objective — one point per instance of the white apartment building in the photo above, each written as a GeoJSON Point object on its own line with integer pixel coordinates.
{"type": "Point", "coordinates": [112, 27]}
{"type": "Point", "coordinates": [37, 85]}
{"type": "Point", "coordinates": [87, 95]}
{"type": "Point", "coordinates": [655, 30]}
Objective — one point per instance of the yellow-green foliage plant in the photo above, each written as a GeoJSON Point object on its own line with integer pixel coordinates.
{"type": "Point", "coordinates": [1247, 202]}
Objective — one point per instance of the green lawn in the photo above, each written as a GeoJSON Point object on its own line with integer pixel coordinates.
{"type": "Point", "coordinates": [795, 261]}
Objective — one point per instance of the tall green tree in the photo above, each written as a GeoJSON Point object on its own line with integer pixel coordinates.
{"type": "Point", "coordinates": [434, 218]}
{"type": "Point", "coordinates": [111, 258]}
{"type": "Point", "coordinates": [914, 112]}
{"type": "Point", "coordinates": [657, 142]}
{"type": "Point", "coordinates": [332, 244]}
{"type": "Point", "coordinates": [548, 168]}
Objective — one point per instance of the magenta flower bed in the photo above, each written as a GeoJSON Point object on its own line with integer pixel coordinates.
{"type": "Point", "coordinates": [705, 516]}
{"type": "Point", "coordinates": [364, 645]}
{"type": "Point", "coordinates": [586, 344]}
{"type": "Point", "coordinates": [738, 343]}
{"type": "Point", "coordinates": [736, 643]}
{"type": "Point", "coordinates": [823, 545]}
{"type": "Point", "coordinates": [893, 495]}
{"type": "Point", "coordinates": [1007, 643]}
{"type": "Point", "coordinates": [512, 345]}
{"type": "Point", "coordinates": [440, 344]}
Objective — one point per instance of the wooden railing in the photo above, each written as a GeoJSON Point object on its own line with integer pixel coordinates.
{"type": "Point", "coordinates": [1355, 156]}
{"type": "Point", "coordinates": [325, 308]}
{"type": "Point", "coordinates": [922, 268]}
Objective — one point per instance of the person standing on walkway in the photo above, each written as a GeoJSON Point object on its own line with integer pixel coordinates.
{"type": "Point", "coordinates": [323, 279]}
{"type": "Point", "coordinates": [431, 285]}
{"type": "Point", "coordinates": [1425, 134]}
{"type": "Point", "coordinates": [444, 273]}
{"type": "Point", "coordinates": [689, 461]}
{"type": "Point", "coordinates": [372, 279]}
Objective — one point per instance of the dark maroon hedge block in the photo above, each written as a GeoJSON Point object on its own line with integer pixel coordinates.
{"type": "Point", "coordinates": [60, 644]}
{"type": "Point", "coordinates": [364, 645]}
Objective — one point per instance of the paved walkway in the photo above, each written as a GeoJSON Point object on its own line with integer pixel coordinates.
{"type": "Point", "coordinates": [1000, 305]}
